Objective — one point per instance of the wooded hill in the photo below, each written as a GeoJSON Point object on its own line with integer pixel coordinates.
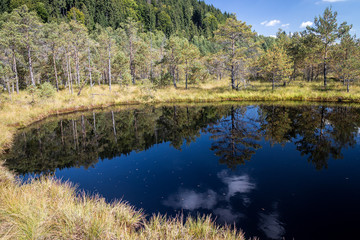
{"type": "Point", "coordinates": [188, 18]}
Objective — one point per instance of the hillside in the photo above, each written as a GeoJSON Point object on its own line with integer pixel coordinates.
{"type": "Point", "coordinates": [185, 17]}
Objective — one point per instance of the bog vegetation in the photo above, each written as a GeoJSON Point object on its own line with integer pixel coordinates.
{"type": "Point", "coordinates": [75, 44]}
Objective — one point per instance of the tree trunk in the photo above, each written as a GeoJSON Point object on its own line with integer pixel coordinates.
{"type": "Point", "coordinates": [30, 66]}
{"type": "Point", "coordinates": [77, 67]}
{"type": "Point", "coordinates": [8, 87]}
{"type": "Point", "coordinates": [67, 70]}
{"type": "Point", "coordinates": [174, 76]}
{"type": "Point", "coordinates": [132, 72]}
{"type": "Point", "coordinates": [273, 82]}
{"type": "Point", "coordinates": [132, 65]}
{"type": "Point", "coordinates": [109, 50]}
{"type": "Point", "coordinates": [16, 73]}
{"type": "Point", "coordinates": [186, 78]}
{"type": "Point", "coordinates": [71, 82]}
{"type": "Point", "coordinates": [348, 85]}
{"type": "Point", "coordinates": [233, 77]}
{"type": "Point", "coordinates": [90, 77]}
{"type": "Point", "coordinates": [55, 70]}
{"type": "Point", "coordinates": [325, 67]}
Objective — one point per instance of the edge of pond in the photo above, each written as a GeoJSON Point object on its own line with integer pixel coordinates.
{"type": "Point", "coordinates": [79, 109]}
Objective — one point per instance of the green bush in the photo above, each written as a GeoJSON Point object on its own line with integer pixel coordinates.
{"type": "Point", "coordinates": [46, 90]}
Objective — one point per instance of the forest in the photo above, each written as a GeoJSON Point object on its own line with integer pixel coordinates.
{"type": "Point", "coordinates": [50, 46]}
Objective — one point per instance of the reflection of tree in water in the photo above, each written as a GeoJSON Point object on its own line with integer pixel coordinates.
{"type": "Point", "coordinates": [325, 132]}
{"type": "Point", "coordinates": [235, 138]}
{"type": "Point", "coordinates": [275, 124]}
{"type": "Point", "coordinates": [81, 140]}
{"type": "Point", "coordinates": [318, 132]}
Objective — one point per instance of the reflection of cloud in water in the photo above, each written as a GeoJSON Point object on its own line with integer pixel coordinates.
{"type": "Point", "coordinates": [190, 200]}
{"type": "Point", "coordinates": [271, 225]}
{"type": "Point", "coordinates": [227, 215]}
{"type": "Point", "coordinates": [236, 184]}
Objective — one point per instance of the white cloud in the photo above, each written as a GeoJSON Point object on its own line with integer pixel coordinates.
{"type": "Point", "coordinates": [285, 25]}
{"type": "Point", "coordinates": [305, 24]}
{"type": "Point", "coordinates": [271, 23]}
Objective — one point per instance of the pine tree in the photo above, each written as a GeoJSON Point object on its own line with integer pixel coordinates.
{"type": "Point", "coordinates": [275, 64]}
{"type": "Point", "coordinates": [235, 38]}
{"type": "Point", "coordinates": [326, 28]}
{"type": "Point", "coordinates": [190, 54]}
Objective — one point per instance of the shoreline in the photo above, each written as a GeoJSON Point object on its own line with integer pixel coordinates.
{"type": "Point", "coordinates": [112, 100]}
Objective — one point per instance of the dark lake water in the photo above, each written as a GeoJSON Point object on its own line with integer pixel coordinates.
{"type": "Point", "coordinates": [275, 171]}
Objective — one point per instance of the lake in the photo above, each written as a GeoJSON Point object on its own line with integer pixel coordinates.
{"type": "Point", "coordinates": [275, 171]}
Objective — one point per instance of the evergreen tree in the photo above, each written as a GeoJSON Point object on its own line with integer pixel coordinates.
{"type": "Point", "coordinates": [235, 37]}
{"type": "Point", "coordinates": [275, 64]}
{"type": "Point", "coordinates": [327, 29]}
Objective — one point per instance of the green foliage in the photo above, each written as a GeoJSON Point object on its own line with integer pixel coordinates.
{"type": "Point", "coordinates": [42, 11]}
{"type": "Point", "coordinates": [46, 90]}
{"type": "Point", "coordinates": [31, 89]}
{"type": "Point", "coordinates": [76, 15]}
{"type": "Point", "coordinates": [275, 64]}
{"type": "Point", "coordinates": [164, 23]}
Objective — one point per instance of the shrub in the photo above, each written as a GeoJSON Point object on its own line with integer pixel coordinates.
{"type": "Point", "coordinates": [46, 90]}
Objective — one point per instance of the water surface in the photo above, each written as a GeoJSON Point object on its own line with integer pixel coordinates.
{"type": "Point", "coordinates": [274, 171]}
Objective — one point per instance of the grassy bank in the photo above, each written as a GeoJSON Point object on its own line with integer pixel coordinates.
{"type": "Point", "coordinates": [49, 209]}
{"type": "Point", "coordinates": [24, 109]}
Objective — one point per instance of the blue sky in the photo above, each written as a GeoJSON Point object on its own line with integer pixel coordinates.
{"type": "Point", "coordinates": [267, 16]}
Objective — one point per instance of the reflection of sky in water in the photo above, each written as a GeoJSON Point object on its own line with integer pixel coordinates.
{"type": "Point", "coordinates": [191, 200]}
{"type": "Point", "coordinates": [220, 205]}
{"type": "Point", "coordinates": [218, 202]}
{"type": "Point", "coordinates": [270, 224]}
